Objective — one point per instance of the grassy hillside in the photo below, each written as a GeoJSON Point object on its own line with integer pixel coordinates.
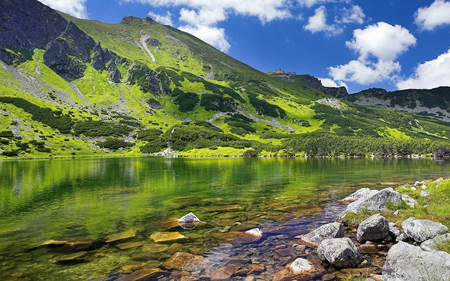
{"type": "Point", "coordinates": [179, 92]}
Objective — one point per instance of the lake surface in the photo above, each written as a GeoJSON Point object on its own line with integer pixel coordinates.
{"type": "Point", "coordinates": [93, 199]}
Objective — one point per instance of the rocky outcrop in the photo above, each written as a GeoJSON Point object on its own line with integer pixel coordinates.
{"type": "Point", "coordinates": [339, 252]}
{"type": "Point", "coordinates": [422, 230]}
{"type": "Point", "coordinates": [327, 231]}
{"type": "Point", "coordinates": [375, 228]}
{"type": "Point", "coordinates": [360, 193]}
{"type": "Point", "coordinates": [373, 202]}
{"type": "Point", "coordinates": [408, 262]}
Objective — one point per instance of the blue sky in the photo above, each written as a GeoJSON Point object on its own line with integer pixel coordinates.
{"type": "Point", "coordinates": [360, 44]}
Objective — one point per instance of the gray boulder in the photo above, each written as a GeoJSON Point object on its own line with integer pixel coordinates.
{"type": "Point", "coordinates": [340, 252]}
{"type": "Point", "coordinates": [189, 218]}
{"type": "Point", "coordinates": [360, 193]}
{"type": "Point", "coordinates": [409, 200]}
{"type": "Point", "coordinates": [408, 262]}
{"type": "Point", "coordinates": [431, 244]}
{"type": "Point", "coordinates": [422, 230]}
{"type": "Point", "coordinates": [394, 232]}
{"type": "Point", "coordinates": [331, 230]}
{"type": "Point", "coordinates": [374, 228]}
{"type": "Point", "coordinates": [374, 201]}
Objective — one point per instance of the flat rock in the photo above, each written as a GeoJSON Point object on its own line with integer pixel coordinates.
{"type": "Point", "coordinates": [121, 236]}
{"type": "Point", "coordinates": [375, 228]}
{"type": "Point", "coordinates": [408, 262]}
{"type": "Point", "coordinates": [167, 236]}
{"type": "Point", "coordinates": [71, 244]}
{"type": "Point", "coordinates": [327, 231]}
{"type": "Point", "coordinates": [431, 244]}
{"type": "Point", "coordinates": [224, 273]}
{"type": "Point", "coordinates": [340, 252]}
{"type": "Point", "coordinates": [142, 274]}
{"type": "Point", "coordinates": [168, 223]}
{"type": "Point", "coordinates": [154, 248]}
{"type": "Point", "coordinates": [422, 230]}
{"type": "Point", "coordinates": [180, 260]}
{"type": "Point", "coordinates": [73, 258]}
{"type": "Point", "coordinates": [130, 245]}
{"type": "Point", "coordinates": [237, 238]}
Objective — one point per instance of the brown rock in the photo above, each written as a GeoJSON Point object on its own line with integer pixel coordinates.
{"type": "Point", "coordinates": [328, 277]}
{"type": "Point", "coordinates": [167, 236]}
{"type": "Point", "coordinates": [224, 273]}
{"type": "Point", "coordinates": [284, 252]}
{"type": "Point", "coordinates": [154, 248]}
{"type": "Point", "coordinates": [368, 249]}
{"type": "Point", "coordinates": [129, 268]}
{"type": "Point", "coordinates": [71, 244]}
{"type": "Point", "coordinates": [142, 274]}
{"type": "Point", "coordinates": [237, 238]}
{"type": "Point", "coordinates": [130, 245]}
{"type": "Point", "coordinates": [254, 268]}
{"type": "Point", "coordinates": [180, 260]}
{"type": "Point", "coordinates": [168, 223]}
{"type": "Point", "coordinates": [75, 257]}
{"type": "Point", "coordinates": [174, 248]}
{"type": "Point", "coordinates": [121, 236]}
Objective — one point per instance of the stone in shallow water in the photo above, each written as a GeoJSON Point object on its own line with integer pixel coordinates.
{"type": "Point", "coordinates": [226, 208]}
{"type": "Point", "coordinates": [181, 260]}
{"type": "Point", "coordinates": [71, 244]}
{"type": "Point", "coordinates": [130, 245]}
{"type": "Point", "coordinates": [189, 218]}
{"type": "Point", "coordinates": [167, 236]}
{"type": "Point", "coordinates": [255, 232]}
{"type": "Point", "coordinates": [122, 236]}
{"type": "Point", "coordinates": [168, 223]}
{"type": "Point", "coordinates": [75, 257]}
{"type": "Point", "coordinates": [224, 273]}
{"type": "Point", "coordinates": [330, 230]}
{"type": "Point", "coordinates": [154, 248]}
{"type": "Point", "coordinates": [142, 274]}
{"type": "Point", "coordinates": [237, 238]}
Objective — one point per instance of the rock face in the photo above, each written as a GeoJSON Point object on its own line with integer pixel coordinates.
{"type": "Point", "coordinates": [340, 252]}
{"type": "Point", "coordinates": [327, 231]}
{"type": "Point", "coordinates": [422, 230]}
{"type": "Point", "coordinates": [431, 245]}
{"type": "Point", "coordinates": [374, 228]}
{"type": "Point", "coordinates": [407, 262]}
{"type": "Point", "coordinates": [375, 201]}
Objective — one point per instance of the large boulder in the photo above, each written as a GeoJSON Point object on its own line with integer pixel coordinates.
{"type": "Point", "coordinates": [340, 252]}
{"type": "Point", "coordinates": [422, 230]}
{"type": "Point", "coordinates": [431, 244]}
{"type": "Point", "coordinates": [374, 228]}
{"type": "Point", "coordinates": [374, 201]}
{"type": "Point", "coordinates": [327, 231]}
{"type": "Point", "coordinates": [360, 193]}
{"type": "Point", "coordinates": [408, 262]}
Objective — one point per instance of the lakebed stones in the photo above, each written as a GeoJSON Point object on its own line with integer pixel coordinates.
{"type": "Point", "coordinates": [121, 236]}
{"type": "Point", "coordinates": [189, 221]}
{"type": "Point", "coordinates": [167, 236]}
{"type": "Point", "coordinates": [374, 201]}
{"type": "Point", "coordinates": [71, 244]}
{"type": "Point", "coordinates": [339, 252]}
{"type": "Point", "coordinates": [408, 262]}
{"type": "Point", "coordinates": [237, 238]}
{"type": "Point", "coordinates": [142, 274]}
{"type": "Point", "coordinates": [331, 230]}
{"type": "Point", "coordinates": [422, 230]}
{"type": "Point", "coordinates": [299, 269]}
{"type": "Point", "coordinates": [182, 260]}
{"type": "Point", "coordinates": [375, 228]}
{"type": "Point", "coordinates": [224, 273]}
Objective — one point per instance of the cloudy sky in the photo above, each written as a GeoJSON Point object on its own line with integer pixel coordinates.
{"type": "Point", "coordinates": [391, 44]}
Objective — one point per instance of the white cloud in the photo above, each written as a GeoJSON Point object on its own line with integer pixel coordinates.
{"type": "Point", "coordinates": [200, 17]}
{"type": "Point", "coordinates": [310, 3]}
{"type": "Point", "coordinates": [76, 8]}
{"type": "Point", "coordinates": [381, 40]}
{"type": "Point", "coordinates": [353, 15]}
{"type": "Point", "coordinates": [364, 72]}
{"type": "Point", "coordinates": [327, 82]}
{"type": "Point", "coordinates": [433, 16]}
{"type": "Point", "coordinates": [430, 74]}
{"type": "Point", "coordinates": [318, 23]}
{"type": "Point", "coordinates": [167, 19]}
{"type": "Point", "coordinates": [212, 35]}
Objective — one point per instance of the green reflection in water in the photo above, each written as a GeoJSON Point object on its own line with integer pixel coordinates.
{"type": "Point", "coordinates": [93, 198]}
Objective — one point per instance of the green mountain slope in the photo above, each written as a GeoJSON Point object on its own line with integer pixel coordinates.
{"type": "Point", "coordinates": [72, 87]}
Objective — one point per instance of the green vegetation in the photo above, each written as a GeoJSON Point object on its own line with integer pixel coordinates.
{"type": "Point", "coordinates": [91, 128]}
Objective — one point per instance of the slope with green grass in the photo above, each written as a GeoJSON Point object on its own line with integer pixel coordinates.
{"type": "Point", "coordinates": [146, 79]}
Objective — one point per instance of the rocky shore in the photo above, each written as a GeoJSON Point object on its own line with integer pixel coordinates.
{"type": "Point", "coordinates": [373, 238]}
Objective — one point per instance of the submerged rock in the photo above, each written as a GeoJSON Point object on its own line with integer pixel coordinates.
{"type": "Point", "coordinates": [181, 260]}
{"type": "Point", "coordinates": [327, 231]}
{"type": "Point", "coordinates": [142, 274]}
{"type": "Point", "coordinates": [339, 252]}
{"type": "Point", "coordinates": [237, 238]}
{"type": "Point", "coordinates": [71, 244]}
{"type": "Point", "coordinates": [73, 258]}
{"type": "Point", "coordinates": [255, 232]}
{"type": "Point", "coordinates": [121, 236]}
{"type": "Point", "coordinates": [167, 236]}
{"type": "Point", "coordinates": [375, 228]}
{"type": "Point", "coordinates": [408, 262]}
{"type": "Point", "coordinates": [422, 230]}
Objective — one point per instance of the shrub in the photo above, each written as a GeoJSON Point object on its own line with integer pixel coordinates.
{"type": "Point", "coordinates": [7, 134]}
{"type": "Point", "coordinates": [10, 153]}
{"type": "Point", "coordinates": [149, 134]}
{"type": "Point", "coordinates": [114, 144]}
{"type": "Point", "coordinates": [91, 128]}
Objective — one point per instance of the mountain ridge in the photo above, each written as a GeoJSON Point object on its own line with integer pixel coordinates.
{"type": "Point", "coordinates": [137, 87]}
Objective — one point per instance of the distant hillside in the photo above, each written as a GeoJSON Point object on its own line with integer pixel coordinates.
{"type": "Point", "coordinates": [72, 87]}
{"type": "Point", "coordinates": [432, 103]}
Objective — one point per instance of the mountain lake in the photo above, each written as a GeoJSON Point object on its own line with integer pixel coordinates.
{"type": "Point", "coordinates": [99, 219]}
